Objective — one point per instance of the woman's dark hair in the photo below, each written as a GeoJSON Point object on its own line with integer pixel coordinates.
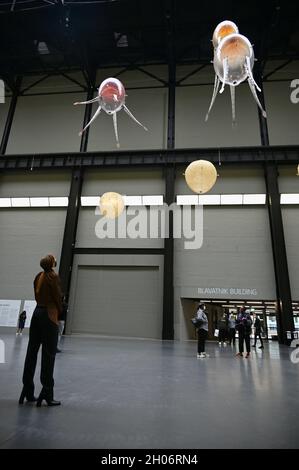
{"type": "Point", "coordinates": [47, 263]}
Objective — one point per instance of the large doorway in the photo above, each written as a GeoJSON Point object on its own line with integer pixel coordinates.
{"type": "Point", "coordinates": [213, 311]}
{"type": "Point", "coordinates": [266, 310]}
{"type": "Point", "coordinates": [117, 301]}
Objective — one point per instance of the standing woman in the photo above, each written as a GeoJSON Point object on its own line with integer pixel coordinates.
{"type": "Point", "coordinates": [43, 331]}
{"type": "Point", "coordinates": [202, 331]}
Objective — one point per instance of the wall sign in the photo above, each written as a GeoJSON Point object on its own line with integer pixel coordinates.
{"type": "Point", "coordinates": [9, 312]}
{"type": "Point", "coordinates": [229, 291]}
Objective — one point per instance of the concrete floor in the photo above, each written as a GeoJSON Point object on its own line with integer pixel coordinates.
{"type": "Point", "coordinates": [121, 393]}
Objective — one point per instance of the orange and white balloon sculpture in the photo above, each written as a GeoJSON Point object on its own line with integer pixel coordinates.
{"type": "Point", "coordinates": [233, 63]}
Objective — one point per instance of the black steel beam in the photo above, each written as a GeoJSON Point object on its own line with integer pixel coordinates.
{"type": "Point", "coordinates": [118, 251]}
{"type": "Point", "coordinates": [10, 116]}
{"type": "Point", "coordinates": [70, 230]}
{"type": "Point", "coordinates": [87, 116]}
{"type": "Point", "coordinates": [284, 311]}
{"type": "Point", "coordinates": [71, 222]}
{"type": "Point", "coordinates": [190, 74]}
{"type": "Point", "coordinates": [168, 287]}
{"type": "Point", "coordinates": [276, 69]}
{"type": "Point", "coordinates": [151, 75]}
{"type": "Point", "coordinates": [283, 154]}
{"type": "Point", "coordinates": [169, 175]}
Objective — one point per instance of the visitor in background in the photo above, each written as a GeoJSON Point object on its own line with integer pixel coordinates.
{"type": "Point", "coordinates": [243, 325]}
{"type": "Point", "coordinates": [232, 329]}
{"type": "Point", "coordinates": [21, 323]}
{"type": "Point", "coordinates": [257, 331]}
{"type": "Point", "coordinates": [222, 326]}
{"type": "Point", "coordinates": [202, 331]}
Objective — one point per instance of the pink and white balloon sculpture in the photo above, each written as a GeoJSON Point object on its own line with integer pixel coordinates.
{"type": "Point", "coordinates": [111, 98]}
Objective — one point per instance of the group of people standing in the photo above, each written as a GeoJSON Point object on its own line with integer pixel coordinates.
{"type": "Point", "coordinates": [227, 327]}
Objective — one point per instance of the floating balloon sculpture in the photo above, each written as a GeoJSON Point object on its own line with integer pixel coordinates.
{"type": "Point", "coordinates": [233, 63]}
{"type": "Point", "coordinates": [201, 175]}
{"type": "Point", "coordinates": [111, 98]}
{"type": "Point", "coordinates": [111, 205]}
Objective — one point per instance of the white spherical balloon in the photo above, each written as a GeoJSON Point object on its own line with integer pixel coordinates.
{"type": "Point", "coordinates": [201, 176]}
{"type": "Point", "coordinates": [111, 205]}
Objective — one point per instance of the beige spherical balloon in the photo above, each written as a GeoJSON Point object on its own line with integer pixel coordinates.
{"type": "Point", "coordinates": [201, 176]}
{"type": "Point", "coordinates": [111, 205]}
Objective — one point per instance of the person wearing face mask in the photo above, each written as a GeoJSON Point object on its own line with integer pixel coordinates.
{"type": "Point", "coordinates": [43, 332]}
{"type": "Point", "coordinates": [202, 331]}
{"type": "Point", "coordinates": [243, 325]}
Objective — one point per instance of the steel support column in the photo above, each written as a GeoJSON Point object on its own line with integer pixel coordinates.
{"type": "Point", "coordinates": [10, 116]}
{"type": "Point", "coordinates": [169, 174]}
{"type": "Point", "coordinates": [168, 288]}
{"type": "Point", "coordinates": [284, 312]}
{"type": "Point", "coordinates": [70, 231]}
{"type": "Point", "coordinates": [71, 222]}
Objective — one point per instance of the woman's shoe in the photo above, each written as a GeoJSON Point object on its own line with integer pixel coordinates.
{"type": "Point", "coordinates": [29, 398]}
{"type": "Point", "coordinates": [49, 401]}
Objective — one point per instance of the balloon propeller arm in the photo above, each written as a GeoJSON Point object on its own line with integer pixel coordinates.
{"type": "Point", "coordinates": [215, 91]}
{"type": "Point", "coordinates": [87, 102]}
{"type": "Point", "coordinates": [115, 129]}
{"type": "Point", "coordinates": [92, 119]}
{"type": "Point", "coordinates": [133, 117]}
{"type": "Point", "coordinates": [225, 74]}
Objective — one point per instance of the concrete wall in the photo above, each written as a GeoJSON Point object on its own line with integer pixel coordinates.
{"type": "Point", "coordinates": [45, 124]}
{"type": "Point", "coordinates": [126, 182]}
{"type": "Point", "coordinates": [283, 115]}
{"type": "Point", "coordinates": [26, 234]}
{"type": "Point", "coordinates": [3, 114]}
{"type": "Point", "coordinates": [289, 183]}
{"type": "Point", "coordinates": [35, 184]}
